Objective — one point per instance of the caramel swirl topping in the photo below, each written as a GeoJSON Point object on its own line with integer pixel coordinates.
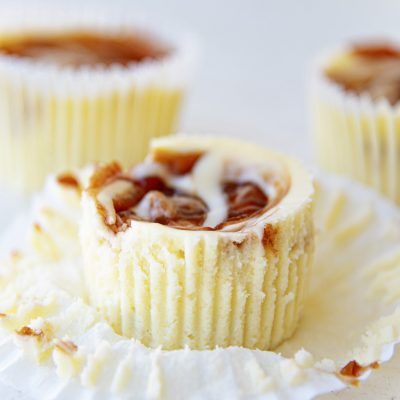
{"type": "Point", "coordinates": [168, 206]}
{"type": "Point", "coordinates": [182, 191]}
{"type": "Point", "coordinates": [369, 68]}
{"type": "Point", "coordinates": [84, 48]}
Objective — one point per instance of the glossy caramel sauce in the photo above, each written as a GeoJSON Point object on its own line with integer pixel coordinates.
{"type": "Point", "coordinates": [84, 48]}
{"type": "Point", "coordinates": [371, 68]}
{"type": "Point", "coordinates": [175, 208]}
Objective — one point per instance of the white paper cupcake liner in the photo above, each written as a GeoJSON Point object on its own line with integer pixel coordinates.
{"type": "Point", "coordinates": [354, 135]}
{"type": "Point", "coordinates": [351, 313]}
{"type": "Point", "coordinates": [55, 118]}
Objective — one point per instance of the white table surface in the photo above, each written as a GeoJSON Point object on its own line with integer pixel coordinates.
{"type": "Point", "coordinates": [252, 83]}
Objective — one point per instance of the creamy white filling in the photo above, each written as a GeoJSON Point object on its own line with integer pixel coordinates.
{"type": "Point", "coordinates": [207, 176]}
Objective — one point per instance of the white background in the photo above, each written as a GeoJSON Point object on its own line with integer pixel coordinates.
{"type": "Point", "coordinates": [252, 81]}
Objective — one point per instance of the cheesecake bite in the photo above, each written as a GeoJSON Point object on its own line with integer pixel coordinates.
{"type": "Point", "coordinates": [201, 245]}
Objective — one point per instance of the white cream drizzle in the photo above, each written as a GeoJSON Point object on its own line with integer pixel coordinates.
{"type": "Point", "coordinates": [207, 177]}
{"type": "Point", "coordinates": [184, 183]}
{"type": "Point", "coordinates": [107, 194]}
{"type": "Point", "coordinates": [204, 181]}
{"type": "Point", "coordinates": [142, 209]}
{"type": "Point", "coordinates": [150, 169]}
{"type": "Point", "coordinates": [254, 176]}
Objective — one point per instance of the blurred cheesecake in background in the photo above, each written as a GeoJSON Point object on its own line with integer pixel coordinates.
{"type": "Point", "coordinates": [208, 243]}
{"type": "Point", "coordinates": [87, 88]}
{"type": "Point", "coordinates": [355, 97]}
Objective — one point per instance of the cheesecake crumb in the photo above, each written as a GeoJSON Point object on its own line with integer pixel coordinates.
{"type": "Point", "coordinates": [28, 331]}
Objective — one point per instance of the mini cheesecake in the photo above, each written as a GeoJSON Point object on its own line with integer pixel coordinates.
{"type": "Point", "coordinates": [207, 243]}
{"type": "Point", "coordinates": [80, 94]}
{"type": "Point", "coordinates": [356, 119]}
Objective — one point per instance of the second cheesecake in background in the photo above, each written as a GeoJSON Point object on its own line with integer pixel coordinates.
{"type": "Point", "coordinates": [355, 97]}
{"type": "Point", "coordinates": [87, 89]}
